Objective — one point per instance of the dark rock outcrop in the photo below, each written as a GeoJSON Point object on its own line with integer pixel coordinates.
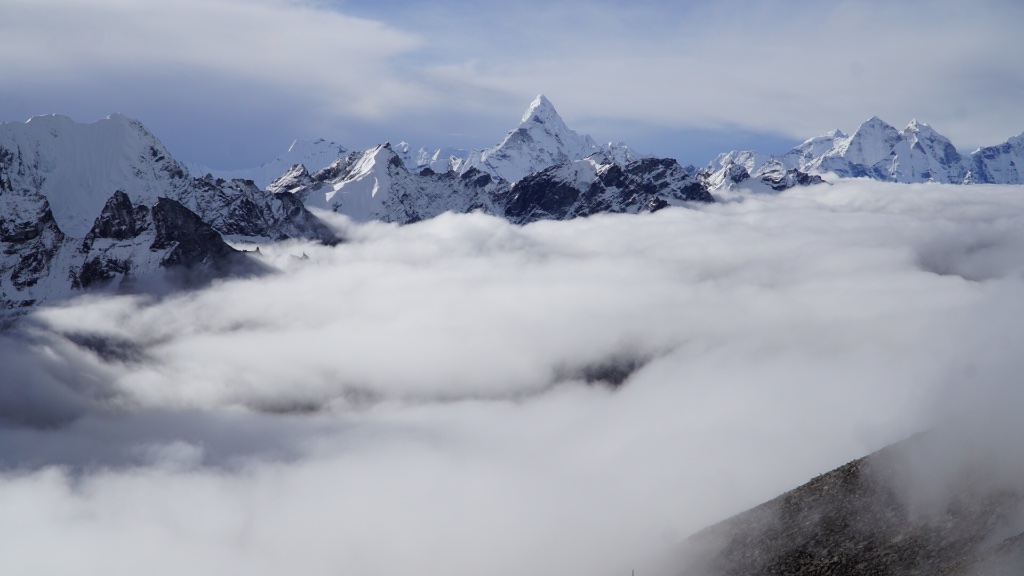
{"type": "Point", "coordinates": [869, 517]}
{"type": "Point", "coordinates": [128, 244]}
{"type": "Point", "coordinates": [780, 180]}
{"type": "Point", "coordinates": [583, 188]}
{"type": "Point", "coordinates": [191, 241]}
{"type": "Point", "coordinates": [238, 208]}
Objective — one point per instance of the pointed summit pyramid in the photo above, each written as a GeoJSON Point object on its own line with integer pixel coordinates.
{"type": "Point", "coordinates": [540, 110]}
{"type": "Point", "coordinates": [541, 140]}
{"type": "Point", "coordinates": [871, 143]}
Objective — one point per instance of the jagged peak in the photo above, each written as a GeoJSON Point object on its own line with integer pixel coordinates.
{"type": "Point", "coordinates": [875, 122]}
{"type": "Point", "coordinates": [918, 127]}
{"type": "Point", "coordinates": [541, 108]}
{"type": "Point", "coordinates": [297, 169]}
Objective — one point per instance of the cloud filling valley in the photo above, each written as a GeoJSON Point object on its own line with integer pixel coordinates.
{"type": "Point", "coordinates": [465, 396]}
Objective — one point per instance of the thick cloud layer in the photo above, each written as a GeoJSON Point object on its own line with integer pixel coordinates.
{"type": "Point", "coordinates": [429, 398]}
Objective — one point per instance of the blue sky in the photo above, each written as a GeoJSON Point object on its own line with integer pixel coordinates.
{"type": "Point", "coordinates": [230, 83]}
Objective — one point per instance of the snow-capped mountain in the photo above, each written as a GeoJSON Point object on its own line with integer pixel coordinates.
{"type": "Point", "coordinates": [376, 185]}
{"type": "Point", "coordinates": [878, 150]}
{"type": "Point", "coordinates": [78, 166]}
{"type": "Point", "coordinates": [540, 170]}
{"type": "Point", "coordinates": [313, 154]}
{"type": "Point", "coordinates": [84, 205]}
{"type": "Point", "coordinates": [540, 141]}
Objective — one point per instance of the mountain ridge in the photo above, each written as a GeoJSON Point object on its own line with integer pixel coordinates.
{"type": "Point", "coordinates": [58, 177]}
{"type": "Point", "coordinates": [877, 150]}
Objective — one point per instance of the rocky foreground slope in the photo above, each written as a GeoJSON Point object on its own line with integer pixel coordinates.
{"type": "Point", "coordinates": [925, 506]}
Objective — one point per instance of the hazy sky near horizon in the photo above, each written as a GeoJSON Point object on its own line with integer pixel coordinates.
{"type": "Point", "coordinates": [230, 83]}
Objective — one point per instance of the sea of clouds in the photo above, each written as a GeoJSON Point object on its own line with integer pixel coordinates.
{"type": "Point", "coordinates": [462, 396]}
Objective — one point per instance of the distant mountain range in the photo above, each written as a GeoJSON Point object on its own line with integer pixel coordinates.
{"type": "Point", "coordinates": [879, 151]}
{"type": "Point", "coordinates": [105, 206]}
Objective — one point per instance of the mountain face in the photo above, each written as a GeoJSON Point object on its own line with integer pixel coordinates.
{"type": "Point", "coordinates": [883, 514]}
{"type": "Point", "coordinates": [587, 187]}
{"type": "Point", "coordinates": [540, 141]}
{"type": "Point", "coordinates": [128, 246]}
{"type": "Point", "coordinates": [378, 186]}
{"type": "Point", "coordinates": [104, 204]}
{"type": "Point", "coordinates": [129, 241]}
{"type": "Point", "coordinates": [78, 166]}
{"type": "Point", "coordinates": [1003, 164]}
{"type": "Point", "coordinates": [879, 151]}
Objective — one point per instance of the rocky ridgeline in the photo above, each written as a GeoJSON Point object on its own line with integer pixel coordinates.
{"type": "Point", "coordinates": [884, 515]}
{"type": "Point", "coordinates": [104, 206]}
{"type": "Point", "coordinates": [879, 151]}
{"type": "Point", "coordinates": [56, 176]}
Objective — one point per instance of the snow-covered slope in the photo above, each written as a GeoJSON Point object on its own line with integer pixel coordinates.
{"type": "Point", "coordinates": [1002, 164]}
{"type": "Point", "coordinates": [870, 144]}
{"type": "Point", "coordinates": [128, 247]}
{"type": "Point", "coordinates": [541, 140]}
{"type": "Point", "coordinates": [313, 154]}
{"type": "Point", "coordinates": [440, 160]}
{"type": "Point", "coordinates": [376, 185]}
{"type": "Point", "coordinates": [78, 166]}
{"type": "Point", "coordinates": [103, 204]}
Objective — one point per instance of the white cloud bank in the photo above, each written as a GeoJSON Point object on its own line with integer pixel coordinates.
{"type": "Point", "coordinates": [779, 336]}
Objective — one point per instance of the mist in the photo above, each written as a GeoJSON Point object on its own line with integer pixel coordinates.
{"type": "Point", "coordinates": [464, 396]}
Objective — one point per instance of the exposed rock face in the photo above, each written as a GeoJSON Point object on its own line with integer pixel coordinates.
{"type": "Point", "coordinates": [584, 188]}
{"type": "Point", "coordinates": [189, 241]}
{"type": "Point", "coordinates": [780, 180]}
{"type": "Point", "coordinates": [237, 208]}
{"type": "Point", "coordinates": [130, 243]}
{"type": "Point", "coordinates": [870, 517]}
{"type": "Point", "coordinates": [118, 220]}
{"type": "Point", "coordinates": [30, 241]}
